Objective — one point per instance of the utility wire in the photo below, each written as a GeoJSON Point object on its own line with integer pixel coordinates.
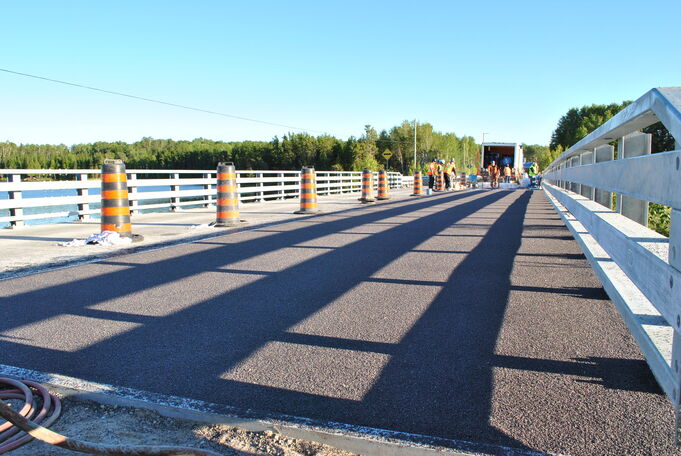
{"type": "Point", "coordinates": [151, 100]}
{"type": "Point", "coordinates": [175, 105]}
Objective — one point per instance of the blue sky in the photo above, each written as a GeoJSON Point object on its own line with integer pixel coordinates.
{"type": "Point", "coordinates": [510, 69]}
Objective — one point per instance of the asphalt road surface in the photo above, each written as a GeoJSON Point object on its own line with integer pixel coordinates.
{"type": "Point", "coordinates": [470, 316]}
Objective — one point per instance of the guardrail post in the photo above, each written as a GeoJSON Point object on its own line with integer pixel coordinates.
{"type": "Point", "coordinates": [574, 161]}
{"type": "Point", "coordinates": [174, 200]}
{"type": "Point", "coordinates": [260, 185]}
{"type": "Point", "coordinates": [634, 145]}
{"type": "Point", "coordinates": [561, 182]}
{"type": "Point", "coordinates": [82, 207]}
{"type": "Point", "coordinates": [208, 197]}
{"type": "Point", "coordinates": [319, 179]}
{"type": "Point", "coordinates": [602, 154]}
{"type": "Point", "coordinates": [586, 158]}
{"type": "Point", "coordinates": [15, 195]}
{"type": "Point", "coordinates": [280, 184]}
{"type": "Point", "coordinates": [132, 194]}
{"type": "Point", "coordinates": [674, 259]}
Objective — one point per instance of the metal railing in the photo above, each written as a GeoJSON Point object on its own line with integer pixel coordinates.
{"type": "Point", "coordinates": [639, 268]}
{"type": "Point", "coordinates": [78, 190]}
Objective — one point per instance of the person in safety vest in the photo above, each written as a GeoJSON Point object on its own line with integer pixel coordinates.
{"type": "Point", "coordinates": [432, 168]}
{"type": "Point", "coordinates": [532, 172]}
{"type": "Point", "coordinates": [493, 171]}
{"type": "Point", "coordinates": [450, 172]}
{"type": "Point", "coordinates": [507, 174]}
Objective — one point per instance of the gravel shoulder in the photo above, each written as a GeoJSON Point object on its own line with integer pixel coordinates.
{"type": "Point", "coordinates": [93, 422]}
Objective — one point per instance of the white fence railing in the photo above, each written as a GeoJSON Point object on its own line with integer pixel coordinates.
{"type": "Point", "coordinates": [640, 269]}
{"type": "Point", "coordinates": [30, 199]}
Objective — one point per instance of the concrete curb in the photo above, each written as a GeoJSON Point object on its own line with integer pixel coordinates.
{"type": "Point", "coordinates": [357, 439]}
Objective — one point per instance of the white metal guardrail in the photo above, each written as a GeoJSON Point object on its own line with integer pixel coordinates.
{"type": "Point", "coordinates": [640, 269]}
{"type": "Point", "coordinates": [155, 189]}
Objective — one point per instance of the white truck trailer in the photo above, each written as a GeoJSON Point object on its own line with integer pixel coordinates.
{"type": "Point", "coordinates": [503, 154]}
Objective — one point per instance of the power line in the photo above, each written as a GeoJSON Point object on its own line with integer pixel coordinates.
{"type": "Point", "coordinates": [176, 105]}
{"type": "Point", "coordinates": [151, 100]}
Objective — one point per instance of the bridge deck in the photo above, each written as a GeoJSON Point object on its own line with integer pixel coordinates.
{"type": "Point", "coordinates": [470, 316]}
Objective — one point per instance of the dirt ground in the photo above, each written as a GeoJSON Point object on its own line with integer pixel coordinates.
{"type": "Point", "coordinates": [125, 425]}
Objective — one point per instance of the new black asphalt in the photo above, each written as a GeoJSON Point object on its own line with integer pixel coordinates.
{"type": "Point", "coordinates": [470, 316]}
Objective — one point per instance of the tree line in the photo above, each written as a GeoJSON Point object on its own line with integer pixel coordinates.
{"type": "Point", "coordinates": [578, 123]}
{"type": "Point", "coordinates": [290, 152]}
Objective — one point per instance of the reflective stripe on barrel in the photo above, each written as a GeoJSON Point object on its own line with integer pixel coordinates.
{"type": "Point", "coordinates": [227, 199]}
{"type": "Point", "coordinates": [367, 187]}
{"type": "Point", "coordinates": [115, 211]}
{"type": "Point", "coordinates": [383, 185]}
{"type": "Point", "coordinates": [308, 191]}
{"type": "Point", "coordinates": [418, 184]}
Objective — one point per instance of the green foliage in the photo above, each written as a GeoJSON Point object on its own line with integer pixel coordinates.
{"type": "Point", "coordinates": [365, 151]}
{"type": "Point", "coordinates": [543, 155]}
{"type": "Point", "coordinates": [659, 218]}
{"type": "Point", "coordinates": [292, 151]}
{"type": "Point", "coordinates": [429, 144]}
{"type": "Point", "coordinates": [662, 140]}
{"type": "Point", "coordinates": [579, 122]}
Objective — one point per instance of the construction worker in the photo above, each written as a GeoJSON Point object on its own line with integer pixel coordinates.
{"type": "Point", "coordinates": [432, 168]}
{"type": "Point", "coordinates": [493, 171]}
{"type": "Point", "coordinates": [532, 172]}
{"type": "Point", "coordinates": [450, 172]}
{"type": "Point", "coordinates": [507, 174]}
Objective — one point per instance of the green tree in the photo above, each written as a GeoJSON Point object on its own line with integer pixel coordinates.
{"type": "Point", "coordinates": [543, 155]}
{"type": "Point", "coordinates": [365, 151]}
{"type": "Point", "coordinates": [579, 122]}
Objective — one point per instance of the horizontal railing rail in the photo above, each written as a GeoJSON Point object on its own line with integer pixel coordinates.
{"type": "Point", "coordinates": [75, 192]}
{"type": "Point", "coordinates": [604, 201]}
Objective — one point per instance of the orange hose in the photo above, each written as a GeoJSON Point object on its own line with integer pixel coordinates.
{"type": "Point", "coordinates": [34, 430]}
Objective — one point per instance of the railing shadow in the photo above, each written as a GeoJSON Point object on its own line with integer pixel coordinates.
{"type": "Point", "coordinates": [435, 379]}
{"type": "Point", "coordinates": [188, 352]}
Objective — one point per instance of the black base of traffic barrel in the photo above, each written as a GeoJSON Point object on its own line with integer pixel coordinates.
{"type": "Point", "coordinates": [230, 223]}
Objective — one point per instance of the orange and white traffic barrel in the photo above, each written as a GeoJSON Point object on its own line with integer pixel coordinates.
{"type": "Point", "coordinates": [367, 186]}
{"type": "Point", "coordinates": [308, 192]}
{"type": "Point", "coordinates": [418, 184]}
{"type": "Point", "coordinates": [382, 186]}
{"type": "Point", "coordinates": [227, 202]}
{"type": "Point", "coordinates": [440, 182]}
{"type": "Point", "coordinates": [115, 209]}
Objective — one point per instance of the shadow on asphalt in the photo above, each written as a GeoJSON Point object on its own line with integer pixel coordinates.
{"type": "Point", "coordinates": [438, 379]}
{"type": "Point", "coordinates": [612, 373]}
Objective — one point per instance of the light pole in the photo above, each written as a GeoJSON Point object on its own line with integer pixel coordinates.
{"type": "Point", "coordinates": [415, 125]}
{"type": "Point", "coordinates": [465, 152]}
{"type": "Point", "coordinates": [482, 149]}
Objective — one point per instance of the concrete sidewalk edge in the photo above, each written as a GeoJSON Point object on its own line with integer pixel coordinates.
{"type": "Point", "coordinates": [357, 439]}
